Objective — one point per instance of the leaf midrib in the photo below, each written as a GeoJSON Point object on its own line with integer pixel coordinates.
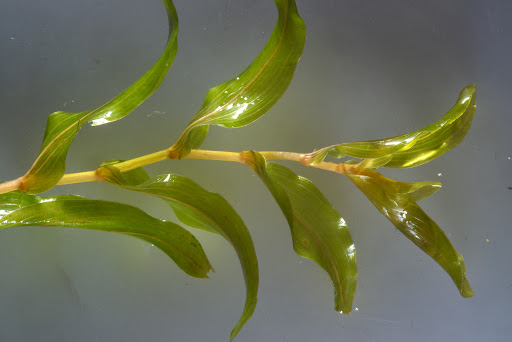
{"type": "Point", "coordinates": [100, 230]}
{"type": "Point", "coordinates": [195, 209]}
{"type": "Point", "coordinates": [55, 140]}
{"type": "Point", "coordinates": [247, 86]}
{"type": "Point", "coordinates": [325, 249]}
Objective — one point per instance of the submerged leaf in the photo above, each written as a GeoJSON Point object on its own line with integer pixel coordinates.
{"type": "Point", "coordinates": [245, 98]}
{"type": "Point", "coordinates": [62, 127]}
{"type": "Point", "coordinates": [18, 209]}
{"type": "Point", "coordinates": [131, 177]}
{"type": "Point", "coordinates": [415, 148]}
{"type": "Point", "coordinates": [205, 210]}
{"type": "Point", "coordinates": [319, 232]}
{"type": "Point", "coordinates": [397, 201]}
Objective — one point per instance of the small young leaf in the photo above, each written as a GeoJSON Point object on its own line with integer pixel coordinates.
{"type": "Point", "coordinates": [205, 210]}
{"type": "Point", "coordinates": [18, 209]}
{"type": "Point", "coordinates": [319, 232]}
{"type": "Point", "coordinates": [415, 148]}
{"type": "Point", "coordinates": [397, 201]}
{"type": "Point", "coordinates": [245, 98]}
{"type": "Point", "coordinates": [62, 127]}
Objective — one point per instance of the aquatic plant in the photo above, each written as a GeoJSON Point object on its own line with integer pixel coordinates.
{"type": "Point", "coordinates": [318, 230]}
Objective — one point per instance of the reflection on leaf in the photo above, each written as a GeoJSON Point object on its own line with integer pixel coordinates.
{"type": "Point", "coordinates": [62, 127]}
{"type": "Point", "coordinates": [18, 209]}
{"type": "Point", "coordinates": [319, 232]}
{"type": "Point", "coordinates": [415, 148]}
{"type": "Point", "coordinates": [397, 201]}
{"type": "Point", "coordinates": [246, 97]}
{"type": "Point", "coordinates": [205, 210]}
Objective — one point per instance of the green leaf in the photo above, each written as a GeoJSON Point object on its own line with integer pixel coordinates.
{"type": "Point", "coordinates": [415, 148]}
{"type": "Point", "coordinates": [205, 210]}
{"type": "Point", "coordinates": [18, 209]}
{"type": "Point", "coordinates": [245, 98]}
{"type": "Point", "coordinates": [319, 232]}
{"type": "Point", "coordinates": [132, 177]}
{"type": "Point", "coordinates": [397, 201]}
{"type": "Point", "coordinates": [62, 127]}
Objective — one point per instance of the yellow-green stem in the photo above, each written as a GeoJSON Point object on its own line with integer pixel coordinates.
{"type": "Point", "coordinates": [214, 155]}
{"type": "Point", "coordinates": [142, 161]}
{"type": "Point", "coordinates": [10, 185]}
{"type": "Point", "coordinates": [90, 176]}
{"type": "Point", "coordinates": [79, 177]}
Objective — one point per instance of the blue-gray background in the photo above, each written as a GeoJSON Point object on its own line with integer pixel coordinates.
{"type": "Point", "coordinates": [370, 69]}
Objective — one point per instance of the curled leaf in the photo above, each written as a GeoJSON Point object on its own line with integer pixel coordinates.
{"type": "Point", "coordinates": [62, 127]}
{"type": "Point", "coordinates": [319, 232]}
{"type": "Point", "coordinates": [397, 201]}
{"type": "Point", "coordinates": [205, 210]}
{"type": "Point", "coordinates": [131, 177]}
{"type": "Point", "coordinates": [245, 98]}
{"type": "Point", "coordinates": [415, 148]}
{"type": "Point", "coordinates": [18, 209]}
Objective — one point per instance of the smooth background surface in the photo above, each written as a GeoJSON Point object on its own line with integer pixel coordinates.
{"type": "Point", "coordinates": [370, 69]}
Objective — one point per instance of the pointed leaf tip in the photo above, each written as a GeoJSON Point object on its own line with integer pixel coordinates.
{"type": "Point", "coordinates": [19, 209]}
{"type": "Point", "coordinates": [201, 209]}
{"type": "Point", "coordinates": [62, 127]}
{"type": "Point", "coordinates": [248, 96]}
{"type": "Point", "coordinates": [414, 148]}
{"type": "Point", "coordinates": [397, 201]}
{"type": "Point", "coordinates": [318, 231]}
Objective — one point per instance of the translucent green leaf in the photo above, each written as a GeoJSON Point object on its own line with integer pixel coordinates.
{"type": "Point", "coordinates": [132, 177]}
{"type": "Point", "coordinates": [18, 209]}
{"type": "Point", "coordinates": [319, 232]}
{"type": "Point", "coordinates": [205, 210]}
{"type": "Point", "coordinates": [397, 201]}
{"type": "Point", "coordinates": [62, 127]}
{"type": "Point", "coordinates": [415, 148]}
{"type": "Point", "coordinates": [245, 98]}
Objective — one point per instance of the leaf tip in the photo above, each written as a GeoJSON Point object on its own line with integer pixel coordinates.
{"type": "Point", "coordinates": [343, 312]}
{"type": "Point", "coordinates": [465, 290]}
{"type": "Point", "coordinates": [343, 301]}
{"type": "Point", "coordinates": [237, 329]}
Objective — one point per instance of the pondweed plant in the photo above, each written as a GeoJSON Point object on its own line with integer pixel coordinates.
{"type": "Point", "coordinates": [318, 231]}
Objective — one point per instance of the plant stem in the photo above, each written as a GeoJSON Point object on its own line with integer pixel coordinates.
{"type": "Point", "coordinates": [79, 177]}
{"type": "Point", "coordinates": [142, 161]}
{"type": "Point", "coordinates": [10, 185]}
{"type": "Point", "coordinates": [214, 155]}
{"type": "Point", "coordinates": [90, 176]}
{"type": "Point", "coordinates": [269, 155]}
{"type": "Point", "coordinates": [292, 156]}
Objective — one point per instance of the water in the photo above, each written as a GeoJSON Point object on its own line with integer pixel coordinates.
{"type": "Point", "coordinates": [367, 72]}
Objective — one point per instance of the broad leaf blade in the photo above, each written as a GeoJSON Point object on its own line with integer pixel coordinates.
{"type": "Point", "coordinates": [319, 232]}
{"type": "Point", "coordinates": [18, 209]}
{"type": "Point", "coordinates": [205, 210]}
{"type": "Point", "coordinates": [245, 98]}
{"type": "Point", "coordinates": [62, 127]}
{"type": "Point", "coordinates": [414, 148]}
{"type": "Point", "coordinates": [397, 201]}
